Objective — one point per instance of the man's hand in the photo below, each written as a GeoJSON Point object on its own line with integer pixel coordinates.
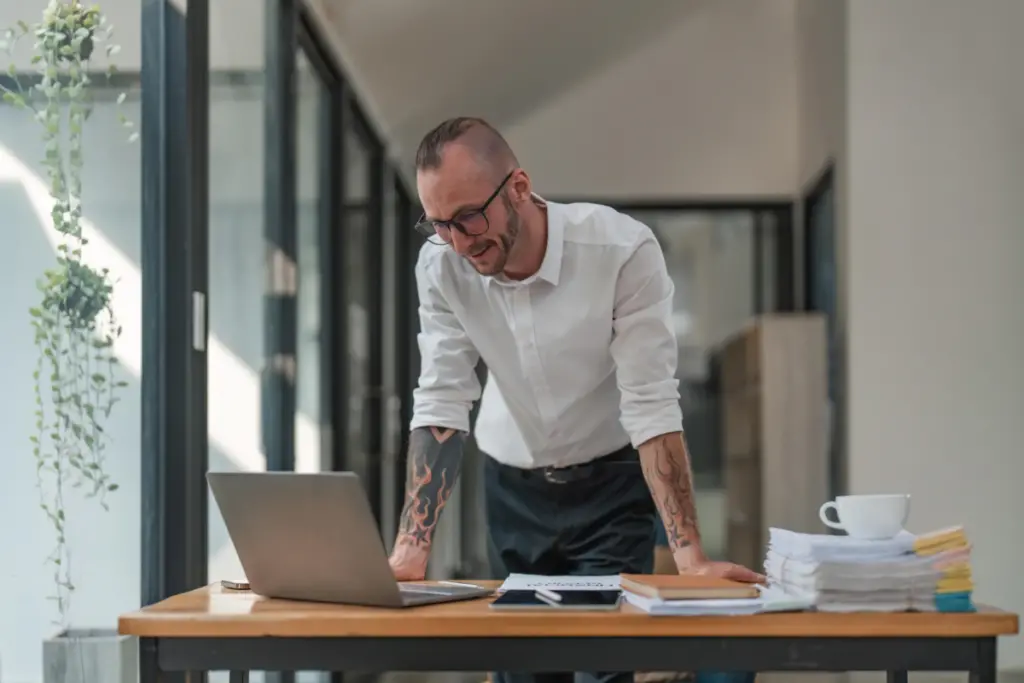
{"type": "Point", "coordinates": [723, 570]}
{"type": "Point", "coordinates": [408, 562]}
{"type": "Point", "coordinates": [435, 460]}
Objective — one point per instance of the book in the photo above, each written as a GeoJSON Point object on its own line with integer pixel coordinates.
{"type": "Point", "coordinates": [771, 600]}
{"type": "Point", "coordinates": [686, 587]}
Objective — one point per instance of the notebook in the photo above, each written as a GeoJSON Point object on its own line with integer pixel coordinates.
{"type": "Point", "coordinates": [932, 543]}
{"type": "Point", "coordinates": [686, 587]}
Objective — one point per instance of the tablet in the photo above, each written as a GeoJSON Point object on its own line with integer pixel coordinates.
{"type": "Point", "coordinates": [567, 600]}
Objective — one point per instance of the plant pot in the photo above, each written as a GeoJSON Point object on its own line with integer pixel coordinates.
{"type": "Point", "coordinates": [90, 655]}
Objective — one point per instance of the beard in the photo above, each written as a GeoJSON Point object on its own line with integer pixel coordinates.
{"type": "Point", "coordinates": [503, 243]}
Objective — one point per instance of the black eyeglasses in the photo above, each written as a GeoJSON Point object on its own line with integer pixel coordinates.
{"type": "Point", "coordinates": [471, 222]}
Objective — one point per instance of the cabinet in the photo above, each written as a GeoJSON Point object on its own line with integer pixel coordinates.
{"type": "Point", "coordinates": [774, 430]}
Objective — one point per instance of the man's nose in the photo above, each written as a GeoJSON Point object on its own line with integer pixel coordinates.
{"type": "Point", "coordinates": [461, 243]}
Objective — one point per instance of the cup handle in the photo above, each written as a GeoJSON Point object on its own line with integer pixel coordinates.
{"type": "Point", "coordinates": [823, 515]}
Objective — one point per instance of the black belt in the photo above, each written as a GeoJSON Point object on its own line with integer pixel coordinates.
{"type": "Point", "coordinates": [571, 473]}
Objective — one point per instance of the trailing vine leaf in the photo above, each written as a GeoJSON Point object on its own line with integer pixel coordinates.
{"type": "Point", "coordinates": [74, 326]}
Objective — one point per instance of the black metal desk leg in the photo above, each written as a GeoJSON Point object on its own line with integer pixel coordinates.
{"type": "Point", "coordinates": [986, 667]}
{"type": "Point", "coordinates": [896, 677]}
{"type": "Point", "coordinates": [239, 677]}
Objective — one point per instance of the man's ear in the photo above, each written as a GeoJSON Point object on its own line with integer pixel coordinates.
{"type": "Point", "coordinates": [522, 187]}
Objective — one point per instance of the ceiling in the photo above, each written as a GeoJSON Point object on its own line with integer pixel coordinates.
{"type": "Point", "coordinates": [420, 61]}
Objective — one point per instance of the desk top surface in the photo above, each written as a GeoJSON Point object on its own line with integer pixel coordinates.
{"type": "Point", "coordinates": [214, 612]}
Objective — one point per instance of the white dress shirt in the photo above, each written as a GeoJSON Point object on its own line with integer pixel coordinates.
{"type": "Point", "coordinates": [581, 355]}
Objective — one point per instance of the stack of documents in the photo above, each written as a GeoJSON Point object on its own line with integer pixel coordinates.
{"type": "Point", "coordinates": [670, 594]}
{"type": "Point", "coordinates": [708, 607]}
{"type": "Point", "coordinates": [651, 594]}
{"type": "Point", "coordinates": [949, 552]}
{"type": "Point", "coordinates": [842, 574]}
{"type": "Point", "coordinates": [770, 600]}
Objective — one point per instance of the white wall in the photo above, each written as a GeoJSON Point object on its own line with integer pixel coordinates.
{"type": "Point", "coordinates": [105, 547]}
{"type": "Point", "coordinates": [821, 69]}
{"type": "Point", "coordinates": [821, 84]}
{"type": "Point", "coordinates": [936, 270]}
{"type": "Point", "coordinates": [920, 105]}
{"type": "Point", "coordinates": [706, 108]}
{"type": "Point", "coordinates": [684, 99]}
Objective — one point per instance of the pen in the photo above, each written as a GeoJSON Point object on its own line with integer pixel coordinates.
{"type": "Point", "coordinates": [550, 597]}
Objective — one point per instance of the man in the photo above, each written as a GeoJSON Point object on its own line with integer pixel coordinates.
{"type": "Point", "coordinates": [570, 307]}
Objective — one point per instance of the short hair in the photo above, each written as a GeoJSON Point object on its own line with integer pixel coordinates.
{"type": "Point", "coordinates": [481, 136]}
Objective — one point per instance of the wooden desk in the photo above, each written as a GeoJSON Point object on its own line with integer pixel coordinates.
{"type": "Point", "coordinates": [213, 629]}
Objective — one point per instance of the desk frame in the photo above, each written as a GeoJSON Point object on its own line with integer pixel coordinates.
{"type": "Point", "coordinates": [894, 655]}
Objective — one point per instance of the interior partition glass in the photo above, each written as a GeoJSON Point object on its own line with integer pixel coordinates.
{"type": "Point", "coordinates": [308, 420]}
{"type": "Point", "coordinates": [102, 551]}
{"type": "Point", "coordinates": [356, 227]}
{"type": "Point", "coordinates": [406, 328]}
{"type": "Point", "coordinates": [237, 262]}
{"type": "Point", "coordinates": [768, 242]}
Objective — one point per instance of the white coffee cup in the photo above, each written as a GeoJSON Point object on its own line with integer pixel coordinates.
{"type": "Point", "coordinates": [871, 517]}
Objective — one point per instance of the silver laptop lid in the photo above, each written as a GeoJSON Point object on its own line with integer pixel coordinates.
{"type": "Point", "coordinates": [306, 536]}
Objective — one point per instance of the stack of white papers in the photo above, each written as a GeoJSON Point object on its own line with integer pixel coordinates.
{"type": "Point", "coordinates": [822, 547]}
{"type": "Point", "coordinates": [842, 574]}
{"type": "Point", "coordinates": [770, 600]}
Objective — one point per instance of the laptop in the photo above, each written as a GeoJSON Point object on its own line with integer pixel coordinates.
{"type": "Point", "coordinates": [314, 537]}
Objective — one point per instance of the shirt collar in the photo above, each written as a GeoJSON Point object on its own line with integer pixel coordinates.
{"type": "Point", "coordinates": [551, 267]}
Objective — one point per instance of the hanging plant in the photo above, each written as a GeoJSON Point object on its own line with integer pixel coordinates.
{"type": "Point", "coordinates": [74, 327]}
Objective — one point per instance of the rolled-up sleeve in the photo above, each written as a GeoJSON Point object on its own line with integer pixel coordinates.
{"type": "Point", "coordinates": [644, 344]}
{"type": "Point", "coordinates": [448, 383]}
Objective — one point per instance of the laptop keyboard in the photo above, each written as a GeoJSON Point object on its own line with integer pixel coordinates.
{"type": "Point", "coordinates": [413, 589]}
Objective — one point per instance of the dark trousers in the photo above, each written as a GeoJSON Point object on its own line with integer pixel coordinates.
{"type": "Point", "coordinates": [590, 519]}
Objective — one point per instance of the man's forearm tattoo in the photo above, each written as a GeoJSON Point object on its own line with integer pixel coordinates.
{"type": "Point", "coordinates": [666, 468]}
{"type": "Point", "coordinates": [435, 460]}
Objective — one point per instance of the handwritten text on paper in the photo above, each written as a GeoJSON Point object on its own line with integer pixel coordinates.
{"type": "Point", "coordinates": [528, 582]}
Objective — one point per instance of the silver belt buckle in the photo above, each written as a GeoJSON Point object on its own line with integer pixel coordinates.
{"type": "Point", "coordinates": [551, 476]}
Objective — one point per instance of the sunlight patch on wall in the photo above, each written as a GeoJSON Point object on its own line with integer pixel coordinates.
{"type": "Point", "coordinates": [233, 387]}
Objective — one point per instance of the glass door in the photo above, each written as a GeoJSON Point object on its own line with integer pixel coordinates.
{"type": "Point", "coordinates": [310, 131]}
{"type": "Point", "coordinates": [362, 232]}
{"type": "Point", "coordinates": [237, 312]}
